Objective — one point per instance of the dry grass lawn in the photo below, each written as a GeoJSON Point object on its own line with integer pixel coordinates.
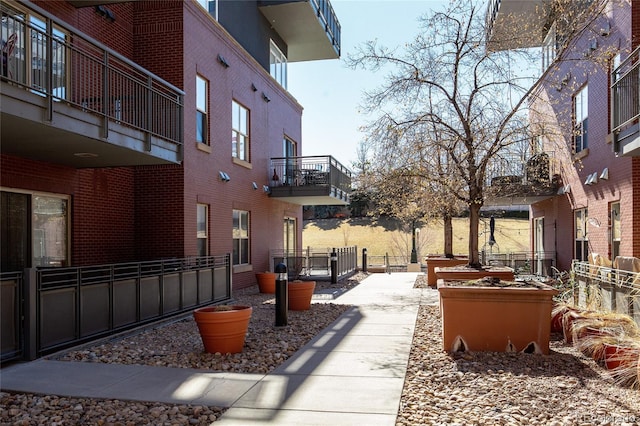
{"type": "Point", "coordinates": [385, 237]}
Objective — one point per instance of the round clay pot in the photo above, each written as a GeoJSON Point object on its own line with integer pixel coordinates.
{"type": "Point", "coordinates": [299, 294]}
{"type": "Point", "coordinates": [266, 282]}
{"type": "Point", "coordinates": [616, 356]}
{"type": "Point", "coordinates": [223, 328]}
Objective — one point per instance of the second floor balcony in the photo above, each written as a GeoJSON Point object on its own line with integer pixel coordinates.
{"type": "Point", "coordinates": [522, 179]}
{"type": "Point", "coordinates": [625, 104]}
{"type": "Point", "coordinates": [310, 28]}
{"type": "Point", "coordinates": [514, 24]}
{"type": "Point", "coordinates": [309, 181]}
{"type": "Point", "coordinates": [70, 100]}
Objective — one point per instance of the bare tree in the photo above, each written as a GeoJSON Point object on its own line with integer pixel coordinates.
{"type": "Point", "coordinates": [449, 108]}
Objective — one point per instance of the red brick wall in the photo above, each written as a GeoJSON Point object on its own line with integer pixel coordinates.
{"type": "Point", "coordinates": [621, 186]}
{"type": "Point", "coordinates": [103, 219]}
{"type": "Point", "coordinates": [144, 213]}
{"type": "Point", "coordinates": [101, 203]}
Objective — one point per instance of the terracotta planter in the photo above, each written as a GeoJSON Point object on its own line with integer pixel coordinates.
{"type": "Point", "coordinates": [497, 319]}
{"type": "Point", "coordinates": [460, 272]}
{"type": "Point", "coordinates": [556, 318]}
{"type": "Point", "coordinates": [266, 282]}
{"type": "Point", "coordinates": [620, 357]}
{"type": "Point", "coordinates": [223, 328]}
{"type": "Point", "coordinates": [299, 294]}
{"type": "Point", "coordinates": [441, 262]}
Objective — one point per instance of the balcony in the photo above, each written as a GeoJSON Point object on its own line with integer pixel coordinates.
{"type": "Point", "coordinates": [69, 100]}
{"type": "Point", "coordinates": [515, 24]}
{"type": "Point", "coordinates": [521, 180]}
{"type": "Point", "coordinates": [310, 181]}
{"type": "Point", "coordinates": [625, 104]}
{"type": "Point", "coordinates": [310, 28]}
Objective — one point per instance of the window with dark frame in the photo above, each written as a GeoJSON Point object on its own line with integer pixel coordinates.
{"type": "Point", "coordinates": [580, 119]}
{"type": "Point", "coordinates": [202, 96]}
{"type": "Point", "coordinates": [241, 237]}
{"type": "Point", "coordinates": [239, 131]}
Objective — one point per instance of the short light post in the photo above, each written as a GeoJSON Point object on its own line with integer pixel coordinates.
{"type": "Point", "coordinates": [282, 297]}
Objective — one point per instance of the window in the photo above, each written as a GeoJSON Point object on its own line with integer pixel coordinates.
{"type": "Point", "coordinates": [549, 48]}
{"type": "Point", "coordinates": [239, 132]}
{"type": "Point", "coordinates": [210, 6]}
{"type": "Point", "coordinates": [616, 235]}
{"type": "Point", "coordinates": [202, 123]}
{"type": "Point", "coordinates": [240, 237]}
{"type": "Point", "coordinates": [289, 149]}
{"type": "Point", "coordinates": [202, 233]}
{"type": "Point", "coordinates": [582, 241]}
{"type": "Point", "coordinates": [580, 114]}
{"type": "Point", "coordinates": [278, 65]}
{"type": "Point", "coordinates": [36, 228]}
{"type": "Point", "coordinates": [24, 35]}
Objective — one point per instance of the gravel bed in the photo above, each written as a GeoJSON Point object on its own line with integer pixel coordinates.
{"type": "Point", "coordinates": [563, 388]}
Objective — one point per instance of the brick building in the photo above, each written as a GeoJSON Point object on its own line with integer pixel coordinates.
{"type": "Point", "coordinates": [147, 131]}
{"type": "Point", "coordinates": [584, 115]}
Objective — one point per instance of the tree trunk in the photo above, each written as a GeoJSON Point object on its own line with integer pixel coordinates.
{"type": "Point", "coordinates": [474, 223]}
{"type": "Point", "coordinates": [448, 235]}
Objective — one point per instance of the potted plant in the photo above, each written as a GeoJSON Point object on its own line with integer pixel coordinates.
{"type": "Point", "coordinates": [266, 282]}
{"type": "Point", "coordinates": [299, 294]}
{"type": "Point", "coordinates": [491, 314]}
{"type": "Point", "coordinates": [223, 327]}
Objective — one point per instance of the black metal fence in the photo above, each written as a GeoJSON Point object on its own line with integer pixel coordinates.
{"type": "Point", "coordinates": [48, 309]}
{"type": "Point", "coordinates": [316, 262]}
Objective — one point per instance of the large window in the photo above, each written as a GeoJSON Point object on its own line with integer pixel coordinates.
{"type": "Point", "coordinates": [35, 230]}
{"type": "Point", "coordinates": [582, 241]}
{"type": "Point", "coordinates": [580, 117]}
{"type": "Point", "coordinates": [239, 132]}
{"type": "Point", "coordinates": [24, 52]}
{"type": "Point", "coordinates": [202, 233]}
{"type": "Point", "coordinates": [278, 65]}
{"type": "Point", "coordinates": [240, 237]}
{"type": "Point", "coordinates": [202, 123]}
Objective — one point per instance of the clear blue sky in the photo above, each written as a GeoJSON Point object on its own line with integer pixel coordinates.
{"type": "Point", "coordinates": [330, 92]}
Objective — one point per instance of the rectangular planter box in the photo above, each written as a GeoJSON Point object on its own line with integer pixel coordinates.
{"type": "Point", "coordinates": [440, 262]}
{"type": "Point", "coordinates": [452, 273]}
{"type": "Point", "coordinates": [495, 319]}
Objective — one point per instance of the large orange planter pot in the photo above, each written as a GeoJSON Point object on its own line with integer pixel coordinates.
{"type": "Point", "coordinates": [299, 294]}
{"type": "Point", "coordinates": [495, 319]}
{"type": "Point", "coordinates": [441, 262]}
{"type": "Point", "coordinates": [223, 328]}
{"type": "Point", "coordinates": [619, 357]}
{"type": "Point", "coordinates": [266, 282]}
{"type": "Point", "coordinates": [463, 273]}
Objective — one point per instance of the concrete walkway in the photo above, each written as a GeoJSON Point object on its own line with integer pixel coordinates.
{"type": "Point", "coordinates": [350, 374]}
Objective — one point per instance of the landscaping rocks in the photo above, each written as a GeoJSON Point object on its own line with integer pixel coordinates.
{"type": "Point", "coordinates": [483, 388]}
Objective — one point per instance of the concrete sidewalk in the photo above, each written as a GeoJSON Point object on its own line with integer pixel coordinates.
{"type": "Point", "coordinates": [350, 374]}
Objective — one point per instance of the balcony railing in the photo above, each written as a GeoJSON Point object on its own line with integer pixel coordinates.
{"type": "Point", "coordinates": [56, 61]}
{"type": "Point", "coordinates": [522, 176]}
{"type": "Point", "coordinates": [328, 18]}
{"type": "Point", "coordinates": [309, 177]}
{"type": "Point", "coordinates": [625, 93]}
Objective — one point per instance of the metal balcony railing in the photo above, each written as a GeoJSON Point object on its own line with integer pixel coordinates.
{"type": "Point", "coordinates": [625, 93]}
{"type": "Point", "coordinates": [310, 172]}
{"type": "Point", "coordinates": [52, 59]}
{"type": "Point", "coordinates": [328, 18]}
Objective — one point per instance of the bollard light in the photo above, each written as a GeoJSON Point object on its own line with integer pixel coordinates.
{"type": "Point", "coordinates": [282, 296]}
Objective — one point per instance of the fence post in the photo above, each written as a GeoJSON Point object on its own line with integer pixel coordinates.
{"type": "Point", "coordinates": [334, 266]}
{"type": "Point", "coordinates": [30, 294]}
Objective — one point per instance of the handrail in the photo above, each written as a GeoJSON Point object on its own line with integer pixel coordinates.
{"type": "Point", "coordinates": [625, 102]}
{"type": "Point", "coordinates": [311, 170]}
{"type": "Point", "coordinates": [71, 67]}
